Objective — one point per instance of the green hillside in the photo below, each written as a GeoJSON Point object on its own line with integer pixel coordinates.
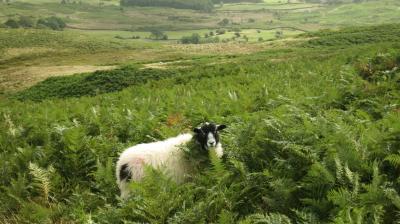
{"type": "Point", "coordinates": [313, 137]}
{"type": "Point", "coordinates": [309, 91]}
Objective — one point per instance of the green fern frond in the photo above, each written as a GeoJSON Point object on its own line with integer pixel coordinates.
{"type": "Point", "coordinates": [218, 167]}
{"type": "Point", "coordinates": [226, 217]}
{"type": "Point", "coordinates": [353, 179]}
{"type": "Point", "coordinates": [393, 159]}
{"type": "Point", "coordinates": [348, 173]}
{"type": "Point", "coordinates": [239, 166]}
{"type": "Point", "coordinates": [271, 218]}
{"type": "Point", "coordinates": [350, 216]}
{"type": "Point", "coordinates": [306, 217]}
{"type": "Point", "coordinates": [339, 170]}
{"type": "Point", "coordinates": [397, 219]}
{"type": "Point", "coordinates": [377, 214]}
{"type": "Point", "coordinates": [393, 196]}
{"type": "Point", "coordinates": [341, 197]}
{"type": "Point", "coordinates": [376, 177]}
{"type": "Point", "coordinates": [41, 179]}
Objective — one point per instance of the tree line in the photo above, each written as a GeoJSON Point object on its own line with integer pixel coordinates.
{"type": "Point", "coordinates": [204, 5]}
{"type": "Point", "coordinates": [52, 22]}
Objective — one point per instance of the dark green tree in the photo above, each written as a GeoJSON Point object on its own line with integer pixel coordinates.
{"type": "Point", "coordinates": [157, 34]}
{"type": "Point", "coordinates": [224, 22]}
{"type": "Point", "coordinates": [52, 22]}
{"type": "Point", "coordinates": [193, 39]}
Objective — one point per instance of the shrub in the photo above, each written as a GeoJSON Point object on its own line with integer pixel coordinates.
{"type": "Point", "coordinates": [236, 29]}
{"type": "Point", "coordinates": [193, 39]}
{"type": "Point", "coordinates": [53, 22]}
{"type": "Point", "coordinates": [224, 22]}
{"type": "Point", "coordinates": [220, 31]}
{"type": "Point", "coordinates": [278, 34]}
{"type": "Point", "coordinates": [157, 34]}
{"type": "Point", "coordinates": [378, 67]}
{"type": "Point", "coordinates": [11, 23]}
{"type": "Point", "coordinates": [26, 21]}
{"type": "Point", "coordinates": [209, 40]}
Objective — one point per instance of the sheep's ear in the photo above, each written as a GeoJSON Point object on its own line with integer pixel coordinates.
{"type": "Point", "coordinates": [221, 127]}
{"type": "Point", "coordinates": [197, 130]}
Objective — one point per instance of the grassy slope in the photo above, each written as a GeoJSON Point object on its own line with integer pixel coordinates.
{"type": "Point", "coordinates": [307, 139]}
{"type": "Point", "coordinates": [57, 46]}
{"type": "Point", "coordinates": [24, 52]}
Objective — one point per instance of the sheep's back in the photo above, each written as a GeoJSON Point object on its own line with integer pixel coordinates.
{"type": "Point", "coordinates": [165, 155]}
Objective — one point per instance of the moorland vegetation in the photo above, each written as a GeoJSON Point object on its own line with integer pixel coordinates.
{"type": "Point", "coordinates": [312, 138]}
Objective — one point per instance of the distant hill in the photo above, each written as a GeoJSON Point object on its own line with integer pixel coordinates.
{"type": "Point", "coordinates": [205, 5]}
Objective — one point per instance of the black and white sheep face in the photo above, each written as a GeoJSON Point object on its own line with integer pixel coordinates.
{"type": "Point", "coordinates": [207, 135]}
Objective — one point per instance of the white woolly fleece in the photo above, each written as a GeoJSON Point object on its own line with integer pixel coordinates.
{"type": "Point", "coordinates": [165, 155]}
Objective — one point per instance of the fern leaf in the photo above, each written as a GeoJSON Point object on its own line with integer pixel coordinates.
{"type": "Point", "coordinates": [348, 173]}
{"type": "Point", "coordinates": [217, 165]}
{"type": "Point", "coordinates": [41, 179]}
{"type": "Point", "coordinates": [271, 218]}
{"type": "Point", "coordinates": [393, 159]}
{"type": "Point", "coordinates": [339, 169]}
{"type": "Point", "coordinates": [306, 217]}
{"type": "Point", "coordinates": [393, 196]}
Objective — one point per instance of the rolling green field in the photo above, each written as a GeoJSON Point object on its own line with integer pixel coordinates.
{"type": "Point", "coordinates": [110, 16]}
{"type": "Point", "coordinates": [310, 94]}
{"type": "Point", "coordinates": [100, 35]}
{"type": "Point", "coordinates": [28, 55]}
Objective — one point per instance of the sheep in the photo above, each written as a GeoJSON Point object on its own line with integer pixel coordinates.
{"type": "Point", "coordinates": [166, 155]}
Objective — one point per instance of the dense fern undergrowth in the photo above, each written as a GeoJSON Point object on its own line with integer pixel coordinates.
{"type": "Point", "coordinates": [355, 35]}
{"type": "Point", "coordinates": [312, 138]}
{"type": "Point", "coordinates": [91, 84]}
